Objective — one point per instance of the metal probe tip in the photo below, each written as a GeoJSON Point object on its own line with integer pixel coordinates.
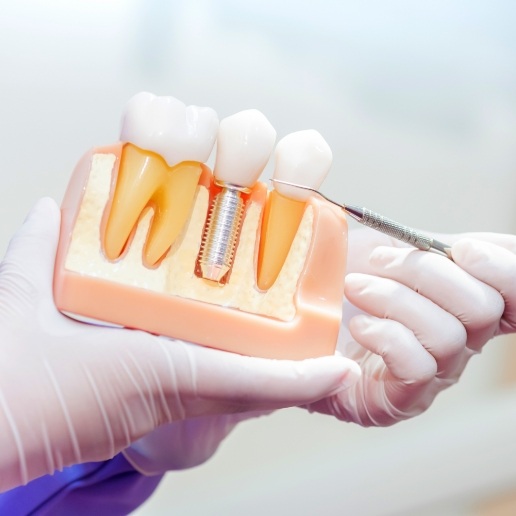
{"type": "Point", "coordinates": [315, 191]}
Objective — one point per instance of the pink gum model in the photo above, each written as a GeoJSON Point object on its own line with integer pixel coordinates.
{"type": "Point", "coordinates": [318, 300]}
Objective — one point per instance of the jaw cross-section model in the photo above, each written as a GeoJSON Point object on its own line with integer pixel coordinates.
{"type": "Point", "coordinates": [152, 239]}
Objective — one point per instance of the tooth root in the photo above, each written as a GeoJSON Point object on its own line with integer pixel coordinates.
{"type": "Point", "coordinates": [173, 204]}
{"type": "Point", "coordinates": [304, 158]}
{"type": "Point", "coordinates": [140, 174]}
{"type": "Point", "coordinates": [280, 224]}
{"type": "Point", "coordinates": [145, 178]}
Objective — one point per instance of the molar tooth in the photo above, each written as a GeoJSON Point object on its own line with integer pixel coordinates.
{"type": "Point", "coordinates": [303, 158]}
{"type": "Point", "coordinates": [168, 127]}
{"type": "Point", "coordinates": [160, 166]}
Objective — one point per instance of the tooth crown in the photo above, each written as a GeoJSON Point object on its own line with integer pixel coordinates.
{"type": "Point", "coordinates": [168, 127]}
{"type": "Point", "coordinates": [244, 145]}
{"type": "Point", "coordinates": [303, 158]}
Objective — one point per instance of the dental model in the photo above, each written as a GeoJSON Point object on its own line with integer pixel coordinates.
{"type": "Point", "coordinates": [152, 240]}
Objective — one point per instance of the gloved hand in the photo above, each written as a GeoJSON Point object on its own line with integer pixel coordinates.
{"type": "Point", "coordinates": [415, 318]}
{"type": "Point", "coordinates": [72, 392]}
{"type": "Point", "coordinates": [183, 444]}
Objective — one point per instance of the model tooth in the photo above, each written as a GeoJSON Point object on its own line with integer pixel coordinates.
{"type": "Point", "coordinates": [244, 145]}
{"type": "Point", "coordinates": [168, 127]}
{"type": "Point", "coordinates": [302, 158]}
{"type": "Point", "coordinates": [167, 142]}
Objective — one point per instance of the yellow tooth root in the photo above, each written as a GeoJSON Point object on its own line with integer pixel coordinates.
{"type": "Point", "coordinates": [173, 205]}
{"type": "Point", "coordinates": [144, 178]}
{"type": "Point", "coordinates": [140, 174]}
{"type": "Point", "coordinates": [281, 221]}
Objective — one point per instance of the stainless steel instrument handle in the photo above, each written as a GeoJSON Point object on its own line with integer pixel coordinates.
{"type": "Point", "coordinates": [396, 230]}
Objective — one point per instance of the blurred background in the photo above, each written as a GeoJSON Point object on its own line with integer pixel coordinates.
{"type": "Point", "coordinates": [418, 103]}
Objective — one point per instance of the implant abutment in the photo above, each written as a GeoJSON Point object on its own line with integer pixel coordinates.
{"type": "Point", "coordinates": [221, 232]}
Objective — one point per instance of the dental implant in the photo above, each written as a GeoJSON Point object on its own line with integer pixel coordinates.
{"type": "Point", "coordinates": [221, 233]}
{"type": "Point", "coordinates": [244, 145]}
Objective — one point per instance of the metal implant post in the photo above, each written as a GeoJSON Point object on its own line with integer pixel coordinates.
{"type": "Point", "coordinates": [221, 232]}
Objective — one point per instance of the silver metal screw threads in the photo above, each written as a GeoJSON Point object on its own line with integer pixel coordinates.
{"type": "Point", "coordinates": [221, 232]}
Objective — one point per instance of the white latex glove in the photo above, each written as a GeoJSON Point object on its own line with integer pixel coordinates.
{"type": "Point", "coordinates": [72, 392]}
{"type": "Point", "coordinates": [420, 318]}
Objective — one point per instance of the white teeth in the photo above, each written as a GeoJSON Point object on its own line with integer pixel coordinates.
{"type": "Point", "coordinates": [303, 158]}
{"type": "Point", "coordinates": [168, 127]}
{"type": "Point", "coordinates": [244, 145]}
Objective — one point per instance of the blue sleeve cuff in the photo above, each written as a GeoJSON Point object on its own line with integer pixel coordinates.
{"type": "Point", "coordinates": [113, 487]}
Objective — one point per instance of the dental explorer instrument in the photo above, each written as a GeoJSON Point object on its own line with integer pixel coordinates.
{"type": "Point", "coordinates": [383, 224]}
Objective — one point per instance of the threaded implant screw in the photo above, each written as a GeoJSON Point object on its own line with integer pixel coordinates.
{"type": "Point", "coordinates": [221, 233]}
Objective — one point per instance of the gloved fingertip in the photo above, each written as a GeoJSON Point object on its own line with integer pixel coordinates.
{"type": "Point", "coordinates": [468, 252]}
{"type": "Point", "coordinates": [355, 282]}
{"type": "Point", "coordinates": [349, 378]}
{"type": "Point", "coordinates": [360, 324]}
{"type": "Point", "coordinates": [45, 209]}
{"type": "Point", "coordinates": [37, 237]}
